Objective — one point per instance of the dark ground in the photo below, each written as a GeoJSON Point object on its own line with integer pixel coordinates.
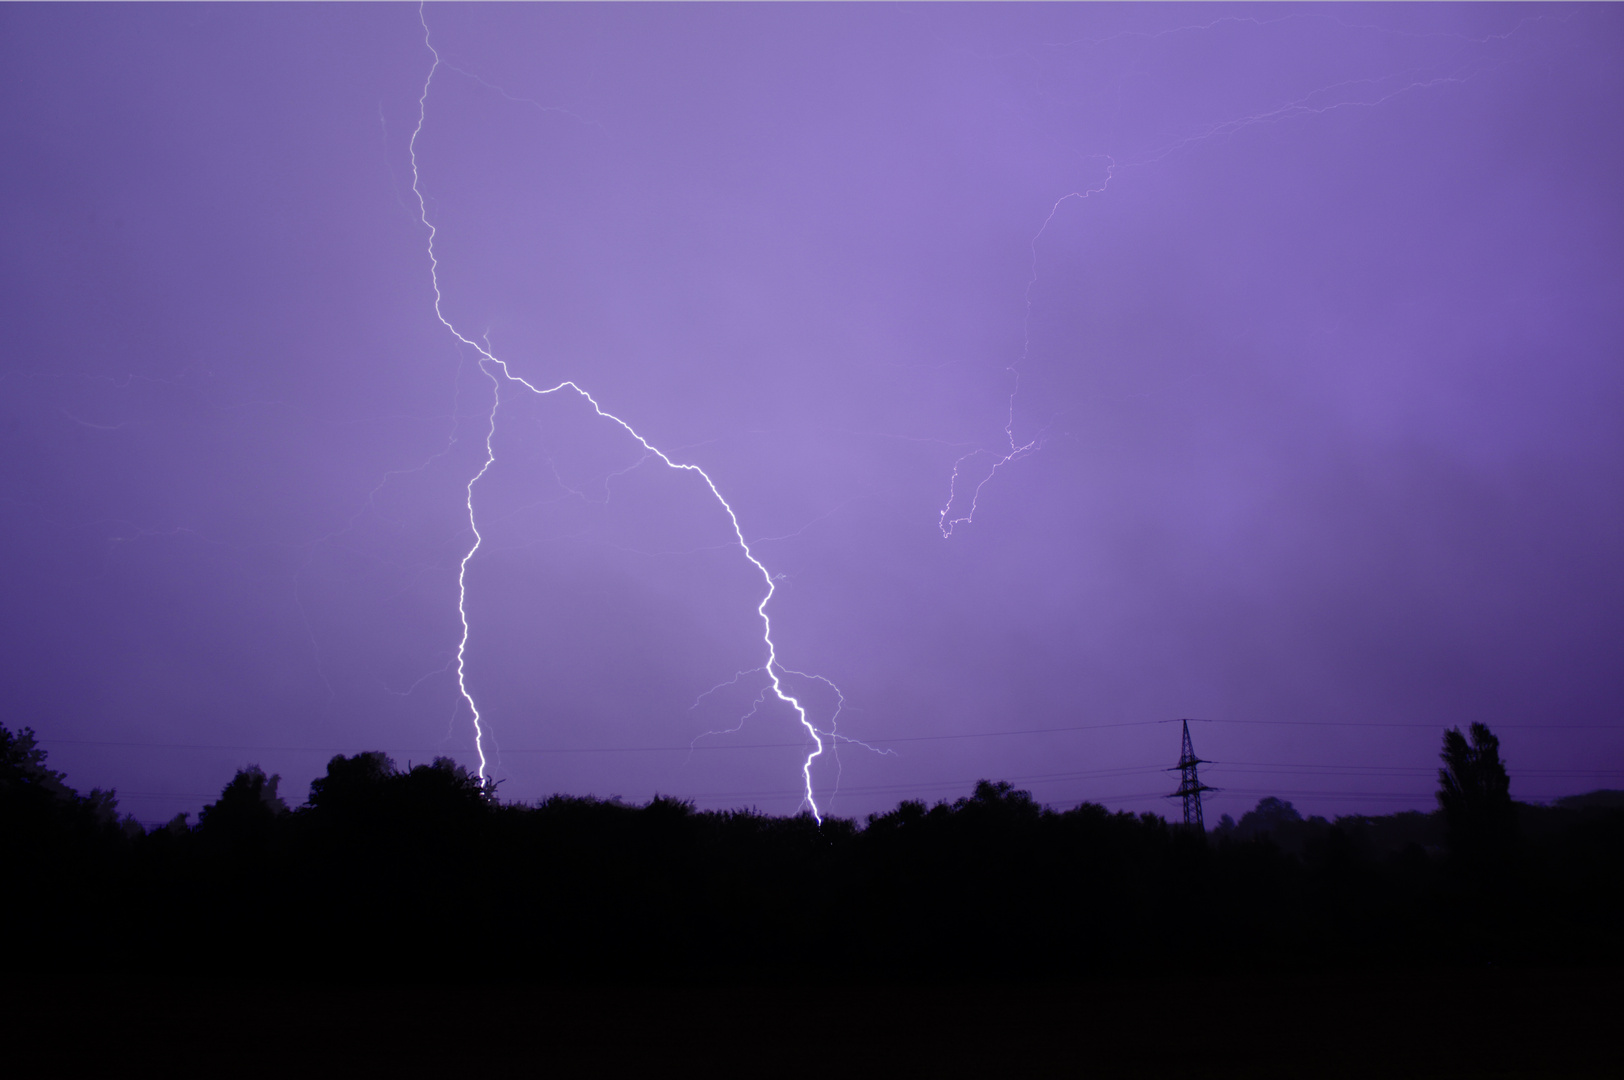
{"type": "Point", "coordinates": [1476, 1024]}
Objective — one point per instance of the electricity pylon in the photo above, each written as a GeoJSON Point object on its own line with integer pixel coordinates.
{"type": "Point", "coordinates": [1190, 785]}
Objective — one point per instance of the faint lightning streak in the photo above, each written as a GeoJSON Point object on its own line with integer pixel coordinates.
{"type": "Point", "coordinates": [734, 681]}
{"type": "Point", "coordinates": [754, 705]}
{"type": "Point", "coordinates": [487, 357]}
{"type": "Point", "coordinates": [561, 110]}
{"type": "Point", "coordinates": [1015, 452]}
{"type": "Point", "coordinates": [1306, 106]}
{"type": "Point", "coordinates": [82, 422]}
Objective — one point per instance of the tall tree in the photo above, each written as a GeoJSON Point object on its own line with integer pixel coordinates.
{"type": "Point", "coordinates": [1474, 792]}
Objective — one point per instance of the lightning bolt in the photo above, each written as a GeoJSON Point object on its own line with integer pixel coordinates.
{"type": "Point", "coordinates": [499, 373]}
{"type": "Point", "coordinates": [1014, 452]}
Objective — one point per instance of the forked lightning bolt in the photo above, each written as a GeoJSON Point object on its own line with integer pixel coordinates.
{"type": "Point", "coordinates": [491, 365]}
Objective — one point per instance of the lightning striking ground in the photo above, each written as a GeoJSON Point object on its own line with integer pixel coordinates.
{"type": "Point", "coordinates": [491, 365]}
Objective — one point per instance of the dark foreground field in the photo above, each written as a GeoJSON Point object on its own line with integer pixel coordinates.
{"type": "Point", "coordinates": [408, 921]}
{"type": "Point", "coordinates": [1446, 1024]}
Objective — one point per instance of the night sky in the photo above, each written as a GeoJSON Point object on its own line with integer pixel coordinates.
{"type": "Point", "coordinates": [1305, 324]}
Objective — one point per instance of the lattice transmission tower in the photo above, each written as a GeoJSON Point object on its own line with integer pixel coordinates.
{"type": "Point", "coordinates": [1190, 785]}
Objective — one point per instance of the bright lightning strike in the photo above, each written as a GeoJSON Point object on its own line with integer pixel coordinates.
{"type": "Point", "coordinates": [490, 364]}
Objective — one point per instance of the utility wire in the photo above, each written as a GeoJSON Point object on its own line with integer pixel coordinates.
{"type": "Point", "coordinates": [355, 748]}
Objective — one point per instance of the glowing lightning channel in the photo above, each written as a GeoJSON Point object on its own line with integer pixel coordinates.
{"type": "Point", "coordinates": [1015, 452]}
{"type": "Point", "coordinates": [487, 362]}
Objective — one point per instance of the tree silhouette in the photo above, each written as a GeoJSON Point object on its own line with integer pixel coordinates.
{"type": "Point", "coordinates": [994, 884]}
{"type": "Point", "coordinates": [1271, 815]}
{"type": "Point", "coordinates": [245, 814]}
{"type": "Point", "coordinates": [351, 783]}
{"type": "Point", "coordinates": [36, 801]}
{"type": "Point", "coordinates": [59, 851]}
{"type": "Point", "coordinates": [1474, 792]}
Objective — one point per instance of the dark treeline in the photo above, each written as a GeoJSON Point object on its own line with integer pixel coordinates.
{"type": "Point", "coordinates": [424, 872]}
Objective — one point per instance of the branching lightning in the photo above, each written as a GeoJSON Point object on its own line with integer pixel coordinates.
{"type": "Point", "coordinates": [498, 372]}
{"type": "Point", "coordinates": [1320, 101]}
{"type": "Point", "coordinates": [1015, 451]}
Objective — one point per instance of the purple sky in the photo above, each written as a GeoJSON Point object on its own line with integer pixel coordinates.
{"type": "Point", "coordinates": [1323, 378]}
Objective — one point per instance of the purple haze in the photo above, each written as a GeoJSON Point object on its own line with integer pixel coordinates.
{"type": "Point", "coordinates": [1324, 378]}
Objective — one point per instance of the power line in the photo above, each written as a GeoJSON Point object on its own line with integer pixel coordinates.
{"type": "Point", "coordinates": [1397, 770]}
{"type": "Point", "coordinates": [354, 747]}
{"type": "Point", "coordinates": [1415, 724]}
{"type": "Point", "coordinates": [709, 747]}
